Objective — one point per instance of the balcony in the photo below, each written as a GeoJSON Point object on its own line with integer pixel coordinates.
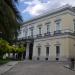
{"type": "Point", "coordinates": [47, 34]}
{"type": "Point", "coordinates": [30, 37]}
{"type": "Point", "coordinates": [39, 35]}
{"type": "Point", "coordinates": [58, 32]}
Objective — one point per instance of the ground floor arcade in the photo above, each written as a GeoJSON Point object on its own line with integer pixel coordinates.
{"type": "Point", "coordinates": [56, 48]}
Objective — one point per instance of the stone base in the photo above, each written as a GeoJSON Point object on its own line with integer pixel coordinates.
{"type": "Point", "coordinates": [49, 59]}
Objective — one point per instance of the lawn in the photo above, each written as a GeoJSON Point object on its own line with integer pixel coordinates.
{"type": "Point", "coordinates": [4, 61]}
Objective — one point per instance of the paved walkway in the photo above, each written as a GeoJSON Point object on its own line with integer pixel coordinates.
{"type": "Point", "coordinates": [39, 68]}
{"type": "Point", "coordinates": [4, 68]}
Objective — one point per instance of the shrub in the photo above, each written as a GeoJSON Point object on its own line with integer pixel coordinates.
{"type": "Point", "coordinates": [6, 48]}
{"type": "Point", "coordinates": [3, 47]}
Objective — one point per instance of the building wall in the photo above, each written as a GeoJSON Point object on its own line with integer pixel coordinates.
{"type": "Point", "coordinates": [67, 23]}
{"type": "Point", "coordinates": [72, 47]}
{"type": "Point", "coordinates": [66, 43]}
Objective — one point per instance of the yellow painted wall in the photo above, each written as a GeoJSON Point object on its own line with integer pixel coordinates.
{"type": "Point", "coordinates": [64, 44]}
{"type": "Point", "coordinates": [72, 47]}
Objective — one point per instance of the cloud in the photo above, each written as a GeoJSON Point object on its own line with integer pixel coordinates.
{"type": "Point", "coordinates": [38, 7]}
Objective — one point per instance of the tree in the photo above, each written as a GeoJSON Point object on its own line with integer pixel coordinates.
{"type": "Point", "coordinates": [19, 50]}
{"type": "Point", "coordinates": [3, 47]}
{"type": "Point", "coordinates": [10, 18]}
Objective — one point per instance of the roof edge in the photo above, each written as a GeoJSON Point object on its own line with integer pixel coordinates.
{"type": "Point", "coordinates": [65, 7]}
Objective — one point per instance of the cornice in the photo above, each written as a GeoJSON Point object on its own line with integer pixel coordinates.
{"type": "Point", "coordinates": [50, 13]}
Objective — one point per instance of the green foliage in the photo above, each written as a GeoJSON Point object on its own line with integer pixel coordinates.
{"type": "Point", "coordinates": [10, 18]}
{"type": "Point", "coordinates": [4, 61]}
{"type": "Point", "coordinates": [20, 49]}
{"type": "Point", "coordinates": [3, 47]}
{"type": "Point", "coordinates": [6, 48]}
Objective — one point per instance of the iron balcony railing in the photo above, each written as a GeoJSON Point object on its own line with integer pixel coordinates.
{"type": "Point", "coordinates": [47, 34]}
{"type": "Point", "coordinates": [39, 36]}
{"type": "Point", "coordinates": [50, 34]}
{"type": "Point", "coordinates": [57, 32]}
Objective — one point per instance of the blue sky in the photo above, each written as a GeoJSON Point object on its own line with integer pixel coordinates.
{"type": "Point", "coordinates": [32, 8]}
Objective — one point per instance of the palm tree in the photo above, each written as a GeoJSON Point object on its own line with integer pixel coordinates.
{"type": "Point", "coordinates": [10, 18]}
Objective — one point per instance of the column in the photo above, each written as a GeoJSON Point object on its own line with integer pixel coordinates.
{"type": "Point", "coordinates": [27, 51]}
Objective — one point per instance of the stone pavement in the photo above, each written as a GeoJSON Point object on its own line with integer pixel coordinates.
{"type": "Point", "coordinates": [4, 68]}
{"type": "Point", "coordinates": [39, 68]}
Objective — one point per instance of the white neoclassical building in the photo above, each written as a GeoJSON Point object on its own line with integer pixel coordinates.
{"type": "Point", "coordinates": [50, 36]}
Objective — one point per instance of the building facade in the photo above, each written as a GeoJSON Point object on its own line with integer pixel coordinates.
{"type": "Point", "coordinates": [50, 36]}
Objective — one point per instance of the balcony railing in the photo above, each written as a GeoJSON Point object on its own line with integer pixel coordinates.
{"type": "Point", "coordinates": [47, 34]}
{"type": "Point", "coordinates": [51, 34]}
{"type": "Point", "coordinates": [58, 32]}
{"type": "Point", "coordinates": [39, 35]}
{"type": "Point", "coordinates": [30, 37]}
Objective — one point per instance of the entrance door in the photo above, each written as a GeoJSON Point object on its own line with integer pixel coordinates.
{"type": "Point", "coordinates": [30, 51]}
{"type": "Point", "coordinates": [57, 52]}
{"type": "Point", "coordinates": [47, 53]}
{"type": "Point", "coordinates": [24, 54]}
{"type": "Point", "coordinates": [39, 52]}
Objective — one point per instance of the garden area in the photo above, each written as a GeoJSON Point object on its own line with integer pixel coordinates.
{"type": "Point", "coordinates": [10, 52]}
{"type": "Point", "coordinates": [10, 22]}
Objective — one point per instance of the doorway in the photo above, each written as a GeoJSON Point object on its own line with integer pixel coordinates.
{"type": "Point", "coordinates": [30, 51]}
{"type": "Point", "coordinates": [24, 54]}
{"type": "Point", "coordinates": [57, 52]}
{"type": "Point", "coordinates": [47, 53]}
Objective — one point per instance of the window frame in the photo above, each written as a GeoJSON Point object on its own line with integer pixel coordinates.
{"type": "Point", "coordinates": [39, 51]}
{"type": "Point", "coordinates": [47, 51]}
{"type": "Point", "coordinates": [58, 24]}
{"type": "Point", "coordinates": [74, 24]}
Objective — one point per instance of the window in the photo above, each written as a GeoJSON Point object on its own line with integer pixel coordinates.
{"type": "Point", "coordinates": [23, 32]}
{"type": "Point", "coordinates": [57, 50]}
{"type": "Point", "coordinates": [39, 51]}
{"type": "Point", "coordinates": [26, 31]}
{"type": "Point", "coordinates": [48, 28]}
{"type": "Point", "coordinates": [39, 30]}
{"type": "Point", "coordinates": [19, 32]}
{"type": "Point", "coordinates": [47, 51]}
{"type": "Point", "coordinates": [58, 24]}
{"type": "Point", "coordinates": [74, 25]}
{"type": "Point", "coordinates": [31, 31]}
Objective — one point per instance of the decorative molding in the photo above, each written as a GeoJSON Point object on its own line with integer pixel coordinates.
{"type": "Point", "coordinates": [46, 23]}
{"type": "Point", "coordinates": [47, 45]}
{"type": "Point", "coordinates": [57, 43]}
{"type": "Point", "coordinates": [51, 13]}
{"type": "Point", "coordinates": [39, 45]}
{"type": "Point", "coordinates": [57, 20]}
{"type": "Point", "coordinates": [40, 25]}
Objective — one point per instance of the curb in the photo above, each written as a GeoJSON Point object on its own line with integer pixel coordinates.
{"type": "Point", "coordinates": [10, 65]}
{"type": "Point", "coordinates": [67, 66]}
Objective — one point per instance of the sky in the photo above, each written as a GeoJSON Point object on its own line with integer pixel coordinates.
{"type": "Point", "coordinates": [32, 8]}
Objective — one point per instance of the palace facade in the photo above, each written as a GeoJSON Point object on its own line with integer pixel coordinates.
{"type": "Point", "coordinates": [50, 36]}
